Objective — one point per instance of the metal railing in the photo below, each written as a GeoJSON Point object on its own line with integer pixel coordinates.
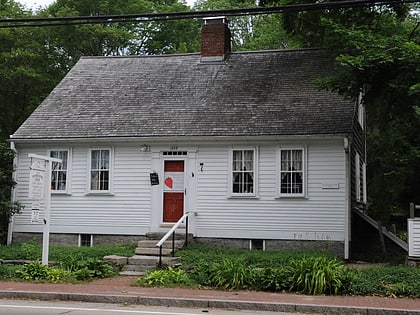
{"type": "Point", "coordinates": [172, 232]}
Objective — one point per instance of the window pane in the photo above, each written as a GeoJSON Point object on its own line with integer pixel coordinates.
{"type": "Point", "coordinates": [94, 180]}
{"type": "Point", "coordinates": [59, 170]}
{"type": "Point", "coordinates": [237, 160]}
{"type": "Point", "coordinates": [104, 159]}
{"type": "Point", "coordinates": [297, 160]}
{"type": "Point", "coordinates": [63, 156]}
{"type": "Point", "coordinates": [248, 160]}
{"type": "Point", "coordinates": [100, 169]}
{"type": "Point", "coordinates": [291, 172]}
{"type": "Point", "coordinates": [285, 160]}
{"type": "Point", "coordinates": [62, 180]}
{"type": "Point", "coordinates": [243, 175]}
{"type": "Point", "coordinates": [104, 180]}
{"type": "Point", "coordinates": [96, 155]}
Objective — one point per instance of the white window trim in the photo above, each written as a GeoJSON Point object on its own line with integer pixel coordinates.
{"type": "Point", "coordinates": [360, 109]}
{"type": "Point", "coordinates": [231, 194]}
{"type": "Point", "coordinates": [357, 176]}
{"type": "Point", "coordinates": [304, 193]}
{"type": "Point", "coordinates": [364, 182]}
{"type": "Point", "coordinates": [80, 240]}
{"type": "Point", "coordinates": [67, 191]}
{"type": "Point", "coordinates": [111, 172]}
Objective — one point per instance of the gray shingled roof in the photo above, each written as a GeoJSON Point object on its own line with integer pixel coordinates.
{"type": "Point", "coordinates": [252, 93]}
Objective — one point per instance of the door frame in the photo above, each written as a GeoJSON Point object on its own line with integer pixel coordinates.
{"type": "Point", "coordinates": [191, 170]}
{"type": "Point", "coordinates": [164, 160]}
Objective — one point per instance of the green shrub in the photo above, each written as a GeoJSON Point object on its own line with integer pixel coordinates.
{"type": "Point", "coordinates": [8, 271]}
{"type": "Point", "coordinates": [93, 268]}
{"type": "Point", "coordinates": [59, 275]}
{"type": "Point", "coordinates": [165, 277]}
{"type": "Point", "coordinates": [33, 271]}
{"type": "Point", "coordinates": [232, 274]}
{"type": "Point", "coordinates": [71, 262]}
{"type": "Point", "coordinates": [386, 281]}
{"type": "Point", "coordinates": [273, 278]}
{"type": "Point", "coordinates": [318, 275]}
{"type": "Point", "coordinates": [27, 250]}
{"type": "Point", "coordinates": [31, 251]}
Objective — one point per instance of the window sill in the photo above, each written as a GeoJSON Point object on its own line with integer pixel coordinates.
{"type": "Point", "coordinates": [292, 197]}
{"type": "Point", "coordinates": [243, 197]}
{"type": "Point", "coordinates": [60, 193]}
{"type": "Point", "coordinates": [99, 193]}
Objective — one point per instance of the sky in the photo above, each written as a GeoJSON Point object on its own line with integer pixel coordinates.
{"type": "Point", "coordinates": [37, 3]}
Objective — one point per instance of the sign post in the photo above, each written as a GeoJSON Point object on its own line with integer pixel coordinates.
{"type": "Point", "coordinates": [40, 192]}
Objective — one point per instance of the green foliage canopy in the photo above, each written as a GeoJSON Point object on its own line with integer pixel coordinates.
{"type": "Point", "coordinates": [378, 51]}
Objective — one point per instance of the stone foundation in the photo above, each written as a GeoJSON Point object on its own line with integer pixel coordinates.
{"type": "Point", "coordinates": [73, 239]}
{"type": "Point", "coordinates": [335, 247]}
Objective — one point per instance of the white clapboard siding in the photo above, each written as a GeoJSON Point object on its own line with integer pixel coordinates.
{"type": "Point", "coordinates": [320, 216]}
{"type": "Point", "coordinates": [128, 209]}
{"type": "Point", "coordinates": [414, 237]}
{"type": "Point", "coordinates": [125, 211]}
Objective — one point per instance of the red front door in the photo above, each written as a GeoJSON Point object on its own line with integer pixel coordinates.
{"type": "Point", "coordinates": [173, 193]}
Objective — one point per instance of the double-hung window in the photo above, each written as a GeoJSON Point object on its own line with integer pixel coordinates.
{"type": "Point", "coordinates": [100, 161]}
{"type": "Point", "coordinates": [59, 171]}
{"type": "Point", "coordinates": [243, 172]}
{"type": "Point", "coordinates": [292, 177]}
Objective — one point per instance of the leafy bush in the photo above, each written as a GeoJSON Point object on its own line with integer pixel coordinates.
{"type": "Point", "coordinates": [94, 268]}
{"type": "Point", "coordinates": [231, 274]}
{"type": "Point", "coordinates": [32, 251]}
{"type": "Point", "coordinates": [318, 275]}
{"type": "Point", "coordinates": [386, 281]}
{"type": "Point", "coordinates": [84, 270]}
{"type": "Point", "coordinates": [33, 271]}
{"type": "Point", "coordinates": [273, 278]}
{"type": "Point", "coordinates": [312, 273]}
{"type": "Point", "coordinates": [8, 271]}
{"type": "Point", "coordinates": [165, 277]}
{"type": "Point", "coordinates": [38, 272]}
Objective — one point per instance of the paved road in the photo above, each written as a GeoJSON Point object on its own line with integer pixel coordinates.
{"type": "Point", "coordinates": [24, 307]}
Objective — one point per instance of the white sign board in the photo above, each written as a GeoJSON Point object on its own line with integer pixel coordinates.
{"type": "Point", "coordinates": [40, 192]}
{"type": "Point", "coordinates": [37, 187]}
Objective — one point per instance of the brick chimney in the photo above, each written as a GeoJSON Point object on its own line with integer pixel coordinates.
{"type": "Point", "coordinates": [215, 39]}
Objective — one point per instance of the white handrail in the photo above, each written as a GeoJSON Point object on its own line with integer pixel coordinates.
{"type": "Point", "coordinates": [176, 225]}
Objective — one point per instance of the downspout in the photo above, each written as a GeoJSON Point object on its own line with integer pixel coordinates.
{"type": "Point", "coordinates": [13, 194]}
{"type": "Point", "coordinates": [347, 218]}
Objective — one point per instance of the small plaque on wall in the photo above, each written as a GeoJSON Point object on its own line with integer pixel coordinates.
{"type": "Point", "coordinates": [154, 179]}
{"type": "Point", "coordinates": [330, 186]}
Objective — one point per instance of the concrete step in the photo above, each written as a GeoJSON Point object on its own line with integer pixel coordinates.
{"type": "Point", "coordinates": [167, 244]}
{"type": "Point", "coordinates": [152, 251]}
{"type": "Point", "coordinates": [131, 273]}
{"type": "Point", "coordinates": [159, 235]}
{"type": "Point", "coordinates": [138, 268]}
{"type": "Point", "coordinates": [151, 260]}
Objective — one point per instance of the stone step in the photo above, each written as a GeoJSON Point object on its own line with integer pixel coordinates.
{"type": "Point", "coordinates": [151, 260]}
{"type": "Point", "coordinates": [152, 251]}
{"type": "Point", "coordinates": [167, 244]}
{"type": "Point", "coordinates": [138, 268]}
{"type": "Point", "coordinates": [159, 235]}
{"type": "Point", "coordinates": [131, 273]}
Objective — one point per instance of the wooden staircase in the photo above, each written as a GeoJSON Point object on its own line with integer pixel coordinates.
{"type": "Point", "coordinates": [147, 254]}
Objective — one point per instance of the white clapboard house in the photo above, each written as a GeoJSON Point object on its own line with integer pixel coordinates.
{"type": "Point", "coordinates": [245, 141]}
